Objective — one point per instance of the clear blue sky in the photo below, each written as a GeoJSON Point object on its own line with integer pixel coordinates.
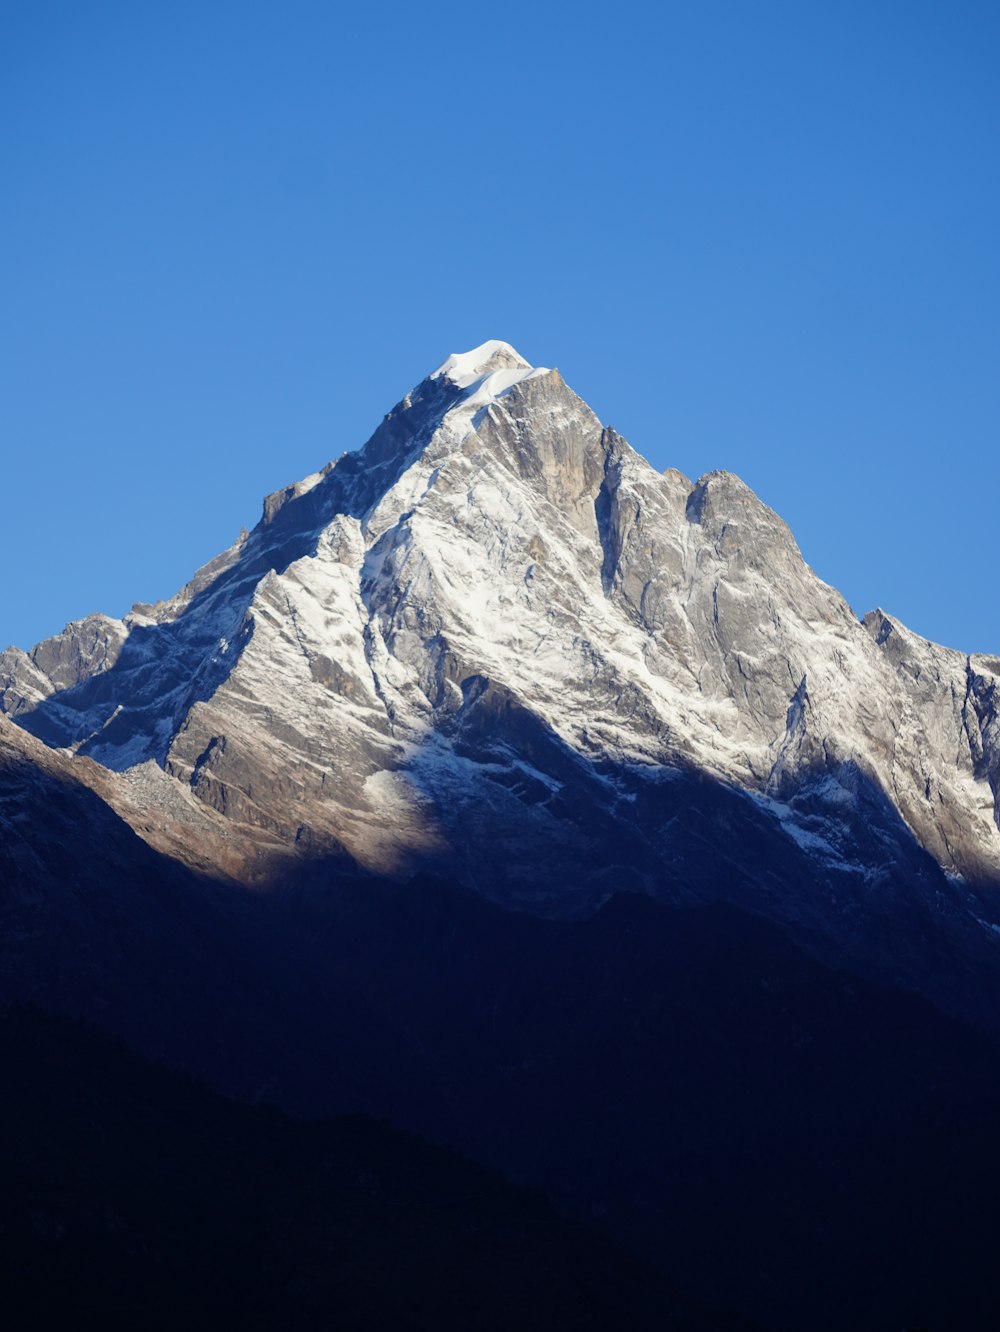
{"type": "Point", "coordinates": [758, 236]}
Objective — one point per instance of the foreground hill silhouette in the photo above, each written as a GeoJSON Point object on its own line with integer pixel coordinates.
{"type": "Point", "coordinates": [133, 1197]}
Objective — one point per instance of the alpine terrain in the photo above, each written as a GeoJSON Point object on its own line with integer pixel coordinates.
{"type": "Point", "coordinates": [494, 641]}
{"type": "Point", "coordinates": [551, 805]}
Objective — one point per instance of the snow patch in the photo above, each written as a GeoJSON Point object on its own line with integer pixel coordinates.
{"type": "Point", "coordinates": [464, 367]}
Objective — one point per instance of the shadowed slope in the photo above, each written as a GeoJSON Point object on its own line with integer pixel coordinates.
{"type": "Point", "coordinates": [792, 1142]}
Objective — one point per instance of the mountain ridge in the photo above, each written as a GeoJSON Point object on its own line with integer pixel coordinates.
{"type": "Point", "coordinates": [495, 643]}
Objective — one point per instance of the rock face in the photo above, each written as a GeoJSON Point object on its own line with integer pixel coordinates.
{"type": "Point", "coordinates": [83, 649]}
{"type": "Point", "coordinates": [497, 643]}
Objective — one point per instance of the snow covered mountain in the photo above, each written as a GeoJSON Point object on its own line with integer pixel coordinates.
{"type": "Point", "coordinates": [495, 642]}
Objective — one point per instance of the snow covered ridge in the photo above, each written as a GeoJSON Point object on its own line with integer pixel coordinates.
{"type": "Point", "coordinates": [486, 372]}
{"type": "Point", "coordinates": [495, 638]}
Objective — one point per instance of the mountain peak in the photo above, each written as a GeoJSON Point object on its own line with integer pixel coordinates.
{"type": "Point", "coordinates": [485, 372]}
{"type": "Point", "coordinates": [464, 368]}
{"type": "Point", "coordinates": [495, 570]}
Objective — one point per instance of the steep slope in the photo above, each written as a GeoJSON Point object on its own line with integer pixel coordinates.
{"type": "Point", "coordinates": [496, 643]}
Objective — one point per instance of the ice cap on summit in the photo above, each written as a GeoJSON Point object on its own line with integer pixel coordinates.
{"type": "Point", "coordinates": [487, 370]}
{"type": "Point", "coordinates": [462, 368]}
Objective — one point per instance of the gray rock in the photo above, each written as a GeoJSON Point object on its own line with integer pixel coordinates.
{"type": "Point", "coordinates": [496, 642]}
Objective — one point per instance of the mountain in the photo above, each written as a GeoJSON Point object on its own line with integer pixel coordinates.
{"type": "Point", "coordinates": [494, 644]}
{"type": "Point", "coordinates": [500, 786]}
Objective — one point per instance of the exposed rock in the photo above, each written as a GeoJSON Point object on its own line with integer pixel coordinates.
{"type": "Point", "coordinates": [497, 641]}
{"type": "Point", "coordinates": [84, 649]}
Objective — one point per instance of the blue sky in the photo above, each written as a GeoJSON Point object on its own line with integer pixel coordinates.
{"type": "Point", "coordinates": [762, 237]}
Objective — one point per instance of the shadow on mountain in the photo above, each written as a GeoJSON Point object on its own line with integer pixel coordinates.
{"type": "Point", "coordinates": [132, 1197]}
{"type": "Point", "coordinates": [833, 862]}
{"type": "Point", "coordinates": [796, 1143]}
{"type": "Point", "coordinates": [789, 1141]}
{"type": "Point", "coordinates": [805, 1146]}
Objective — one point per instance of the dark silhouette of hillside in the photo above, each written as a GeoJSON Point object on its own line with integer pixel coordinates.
{"type": "Point", "coordinates": [132, 1197]}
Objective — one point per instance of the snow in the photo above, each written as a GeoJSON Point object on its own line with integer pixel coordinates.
{"type": "Point", "coordinates": [470, 371]}
{"type": "Point", "coordinates": [494, 385]}
{"type": "Point", "coordinates": [462, 368]}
